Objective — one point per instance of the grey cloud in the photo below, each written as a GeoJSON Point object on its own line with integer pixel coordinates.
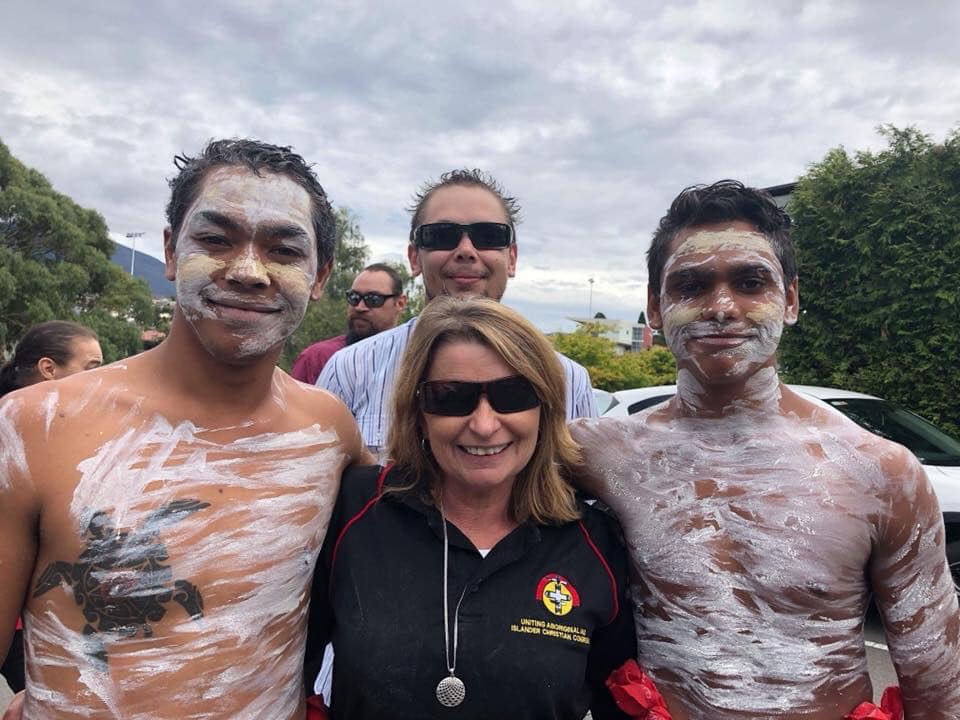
{"type": "Point", "coordinates": [595, 113]}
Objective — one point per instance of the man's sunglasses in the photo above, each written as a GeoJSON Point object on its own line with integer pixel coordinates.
{"type": "Point", "coordinates": [447, 235]}
{"type": "Point", "coordinates": [457, 398]}
{"type": "Point", "coordinates": [372, 299]}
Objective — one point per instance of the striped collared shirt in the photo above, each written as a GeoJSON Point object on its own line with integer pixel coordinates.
{"type": "Point", "coordinates": [362, 376]}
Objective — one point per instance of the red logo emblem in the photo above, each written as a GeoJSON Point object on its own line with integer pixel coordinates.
{"type": "Point", "coordinates": [557, 594]}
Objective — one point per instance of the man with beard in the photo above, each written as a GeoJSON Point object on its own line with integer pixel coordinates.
{"type": "Point", "coordinates": [463, 242]}
{"type": "Point", "coordinates": [374, 304]}
{"type": "Point", "coordinates": [759, 523]}
{"type": "Point", "coordinates": [162, 516]}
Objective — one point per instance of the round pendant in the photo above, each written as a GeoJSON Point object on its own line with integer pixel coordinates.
{"type": "Point", "coordinates": [450, 691]}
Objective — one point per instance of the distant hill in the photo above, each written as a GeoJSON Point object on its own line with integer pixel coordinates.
{"type": "Point", "coordinates": [146, 267]}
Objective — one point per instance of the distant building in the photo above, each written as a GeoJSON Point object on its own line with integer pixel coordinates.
{"type": "Point", "coordinates": [627, 336]}
{"type": "Point", "coordinates": [152, 338]}
{"type": "Point", "coordinates": [781, 193]}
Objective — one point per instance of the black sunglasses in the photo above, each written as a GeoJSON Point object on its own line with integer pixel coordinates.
{"type": "Point", "coordinates": [372, 299]}
{"type": "Point", "coordinates": [458, 398]}
{"type": "Point", "coordinates": [447, 235]}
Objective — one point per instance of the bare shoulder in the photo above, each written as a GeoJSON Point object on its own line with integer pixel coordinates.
{"type": "Point", "coordinates": [311, 405]}
{"type": "Point", "coordinates": [596, 435]}
{"type": "Point", "coordinates": [896, 464]}
{"type": "Point", "coordinates": [71, 414]}
{"type": "Point", "coordinates": [604, 434]}
{"type": "Point", "coordinates": [611, 449]}
{"type": "Point", "coordinates": [308, 400]}
{"type": "Point", "coordinates": [31, 412]}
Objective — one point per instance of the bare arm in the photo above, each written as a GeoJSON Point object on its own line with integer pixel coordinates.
{"type": "Point", "coordinates": [915, 593]}
{"type": "Point", "coordinates": [18, 518]}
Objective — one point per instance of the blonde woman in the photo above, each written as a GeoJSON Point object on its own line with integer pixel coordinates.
{"type": "Point", "coordinates": [465, 579]}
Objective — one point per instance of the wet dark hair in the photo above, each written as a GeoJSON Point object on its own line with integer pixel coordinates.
{"type": "Point", "coordinates": [396, 282]}
{"type": "Point", "coordinates": [466, 178]}
{"type": "Point", "coordinates": [257, 156]}
{"type": "Point", "coordinates": [724, 200]}
{"type": "Point", "coordinates": [52, 340]}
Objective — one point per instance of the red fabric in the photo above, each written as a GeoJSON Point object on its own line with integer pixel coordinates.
{"type": "Point", "coordinates": [316, 710]}
{"type": "Point", "coordinates": [309, 364]}
{"type": "Point", "coordinates": [637, 696]}
{"type": "Point", "coordinates": [19, 624]}
{"type": "Point", "coordinates": [635, 693]}
{"type": "Point", "coordinates": [891, 707]}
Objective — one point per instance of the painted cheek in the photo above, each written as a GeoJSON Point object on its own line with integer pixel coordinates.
{"type": "Point", "coordinates": [764, 313]}
{"type": "Point", "coordinates": [676, 316]}
{"type": "Point", "coordinates": [194, 272]}
{"type": "Point", "coordinates": [294, 281]}
{"type": "Point", "coordinates": [194, 267]}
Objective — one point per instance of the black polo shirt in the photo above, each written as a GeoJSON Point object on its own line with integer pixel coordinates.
{"type": "Point", "coordinates": [543, 621]}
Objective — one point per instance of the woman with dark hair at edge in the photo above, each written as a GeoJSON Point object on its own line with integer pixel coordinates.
{"type": "Point", "coordinates": [465, 579]}
{"type": "Point", "coordinates": [49, 351]}
{"type": "Point", "coordinates": [46, 351]}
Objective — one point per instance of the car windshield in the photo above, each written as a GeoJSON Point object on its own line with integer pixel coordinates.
{"type": "Point", "coordinates": [885, 419]}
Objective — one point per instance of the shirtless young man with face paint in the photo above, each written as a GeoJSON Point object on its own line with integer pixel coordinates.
{"type": "Point", "coordinates": [758, 522]}
{"type": "Point", "coordinates": [162, 554]}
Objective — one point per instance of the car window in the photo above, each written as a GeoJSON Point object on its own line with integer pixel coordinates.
{"type": "Point", "coordinates": [647, 402]}
{"type": "Point", "coordinates": [604, 400]}
{"type": "Point", "coordinates": [889, 421]}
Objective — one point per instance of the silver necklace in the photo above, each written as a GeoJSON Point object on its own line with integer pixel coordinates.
{"type": "Point", "coordinates": [450, 690]}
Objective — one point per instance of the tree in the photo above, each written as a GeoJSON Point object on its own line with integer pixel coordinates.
{"type": "Point", "coordinates": [610, 371]}
{"type": "Point", "coordinates": [55, 265]}
{"type": "Point", "coordinates": [416, 294]}
{"type": "Point", "coordinates": [878, 240]}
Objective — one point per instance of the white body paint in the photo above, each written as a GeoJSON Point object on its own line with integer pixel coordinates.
{"type": "Point", "coordinates": [172, 563]}
{"type": "Point", "coordinates": [251, 552]}
{"type": "Point", "coordinates": [757, 523]}
{"type": "Point", "coordinates": [12, 454]}
{"type": "Point", "coordinates": [752, 535]}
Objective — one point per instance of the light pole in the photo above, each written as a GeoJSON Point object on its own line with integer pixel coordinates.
{"type": "Point", "coordinates": [590, 313]}
{"type": "Point", "coordinates": [133, 250]}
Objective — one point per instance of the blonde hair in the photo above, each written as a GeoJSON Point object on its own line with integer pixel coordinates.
{"type": "Point", "coordinates": [541, 491]}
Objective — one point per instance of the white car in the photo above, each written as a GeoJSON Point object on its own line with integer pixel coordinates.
{"type": "Point", "coordinates": [939, 453]}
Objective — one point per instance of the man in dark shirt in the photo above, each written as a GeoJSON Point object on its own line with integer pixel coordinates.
{"type": "Point", "coordinates": [375, 302]}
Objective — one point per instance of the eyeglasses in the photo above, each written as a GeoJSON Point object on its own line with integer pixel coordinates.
{"type": "Point", "coordinates": [446, 235]}
{"type": "Point", "coordinates": [372, 299]}
{"type": "Point", "coordinates": [456, 398]}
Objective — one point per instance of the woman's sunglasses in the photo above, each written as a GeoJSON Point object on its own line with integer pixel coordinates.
{"type": "Point", "coordinates": [458, 398]}
{"type": "Point", "coordinates": [447, 235]}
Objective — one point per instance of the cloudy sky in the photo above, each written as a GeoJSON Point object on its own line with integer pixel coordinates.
{"type": "Point", "coordinates": [595, 114]}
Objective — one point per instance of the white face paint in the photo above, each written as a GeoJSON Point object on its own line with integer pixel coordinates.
{"type": "Point", "coordinates": [722, 307]}
{"type": "Point", "coordinates": [246, 261]}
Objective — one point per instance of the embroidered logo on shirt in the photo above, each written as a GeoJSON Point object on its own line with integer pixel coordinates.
{"type": "Point", "coordinates": [557, 594]}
